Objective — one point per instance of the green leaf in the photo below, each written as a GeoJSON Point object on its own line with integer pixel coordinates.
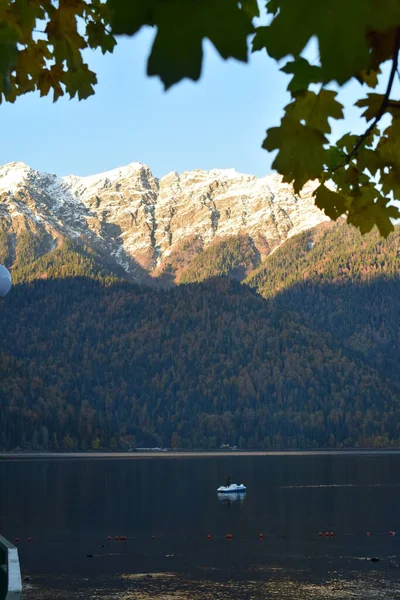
{"type": "Point", "coordinates": [390, 182]}
{"type": "Point", "coordinates": [301, 153]}
{"type": "Point", "coordinates": [251, 8]}
{"type": "Point", "coordinates": [128, 17]}
{"type": "Point", "coordinates": [8, 55]}
{"type": "Point", "coordinates": [348, 178]}
{"type": "Point", "coordinates": [182, 25]}
{"type": "Point", "coordinates": [272, 6]}
{"type": "Point", "coordinates": [315, 109]}
{"type": "Point", "coordinates": [373, 105]}
{"type": "Point", "coordinates": [26, 13]}
{"type": "Point", "coordinates": [303, 74]}
{"type": "Point", "coordinates": [369, 159]}
{"type": "Point", "coordinates": [334, 157]}
{"type": "Point", "coordinates": [347, 142]}
{"type": "Point", "coordinates": [389, 145]}
{"type": "Point", "coordinates": [332, 203]}
{"type": "Point", "coordinates": [98, 36]}
{"type": "Point", "coordinates": [341, 27]}
{"type": "Point", "coordinates": [80, 82]}
{"type": "Point", "coordinates": [369, 208]}
{"type": "Point", "coordinates": [382, 45]}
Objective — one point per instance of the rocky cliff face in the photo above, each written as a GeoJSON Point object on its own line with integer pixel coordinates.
{"type": "Point", "coordinates": [139, 222]}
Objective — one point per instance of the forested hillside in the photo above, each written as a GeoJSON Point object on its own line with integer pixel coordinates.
{"type": "Point", "coordinates": [196, 366]}
{"type": "Point", "coordinates": [330, 252]}
{"type": "Point", "coordinates": [233, 257]}
{"type": "Point", "coordinates": [89, 361]}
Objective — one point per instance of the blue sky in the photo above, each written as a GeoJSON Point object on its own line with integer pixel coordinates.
{"type": "Point", "coordinates": [219, 122]}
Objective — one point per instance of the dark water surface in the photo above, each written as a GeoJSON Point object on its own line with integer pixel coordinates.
{"type": "Point", "coordinates": [70, 506]}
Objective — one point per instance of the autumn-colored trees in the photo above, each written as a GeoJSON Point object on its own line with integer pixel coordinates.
{"type": "Point", "coordinates": [88, 361]}
{"type": "Point", "coordinates": [197, 366]}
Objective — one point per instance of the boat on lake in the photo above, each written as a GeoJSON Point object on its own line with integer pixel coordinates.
{"type": "Point", "coordinates": [233, 488]}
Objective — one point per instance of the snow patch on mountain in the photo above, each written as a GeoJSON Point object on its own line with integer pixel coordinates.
{"type": "Point", "coordinates": [138, 220]}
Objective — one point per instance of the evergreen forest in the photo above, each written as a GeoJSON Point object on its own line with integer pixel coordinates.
{"type": "Point", "coordinates": [299, 350]}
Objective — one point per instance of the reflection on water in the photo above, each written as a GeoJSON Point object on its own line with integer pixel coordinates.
{"type": "Point", "coordinates": [75, 512]}
{"type": "Point", "coordinates": [231, 498]}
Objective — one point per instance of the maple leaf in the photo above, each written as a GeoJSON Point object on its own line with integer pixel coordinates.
{"type": "Point", "coordinates": [99, 37]}
{"type": "Point", "coordinates": [80, 81]}
{"type": "Point", "coordinates": [301, 153]}
{"type": "Point", "coordinates": [181, 27]}
{"type": "Point", "coordinates": [50, 79]}
{"type": "Point", "coordinates": [272, 6]}
{"type": "Point", "coordinates": [369, 208]}
{"type": "Point", "coordinates": [390, 182]}
{"type": "Point", "coordinates": [341, 29]}
{"type": "Point", "coordinates": [382, 44]}
{"type": "Point", "coordinates": [370, 159]}
{"type": "Point", "coordinates": [369, 76]}
{"type": "Point", "coordinates": [32, 59]}
{"type": "Point", "coordinates": [332, 203]}
{"type": "Point", "coordinates": [251, 7]}
{"type": "Point", "coordinates": [8, 55]}
{"type": "Point", "coordinates": [315, 109]}
{"type": "Point", "coordinates": [26, 13]}
{"type": "Point", "coordinates": [347, 142]}
{"type": "Point", "coordinates": [373, 104]}
{"type": "Point", "coordinates": [303, 74]}
{"type": "Point", "coordinates": [62, 31]}
{"type": "Point", "coordinates": [389, 145]}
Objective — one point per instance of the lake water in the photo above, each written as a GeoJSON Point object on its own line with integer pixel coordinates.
{"type": "Point", "coordinates": [69, 507]}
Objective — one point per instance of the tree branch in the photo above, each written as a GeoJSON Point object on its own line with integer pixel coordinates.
{"type": "Point", "coordinates": [385, 101]}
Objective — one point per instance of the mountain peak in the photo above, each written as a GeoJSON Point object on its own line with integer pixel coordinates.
{"type": "Point", "coordinates": [12, 175]}
{"type": "Point", "coordinates": [112, 174]}
{"type": "Point", "coordinates": [142, 223]}
{"type": "Point", "coordinates": [16, 164]}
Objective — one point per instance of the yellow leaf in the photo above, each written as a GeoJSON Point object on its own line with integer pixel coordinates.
{"type": "Point", "coordinates": [370, 77]}
{"type": "Point", "coordinates": [50, 79]}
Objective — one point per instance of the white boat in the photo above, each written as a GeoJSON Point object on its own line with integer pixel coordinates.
{"type": "Point", "coordinates": [234, 488]}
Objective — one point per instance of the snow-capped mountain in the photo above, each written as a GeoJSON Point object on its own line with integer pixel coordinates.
{"type": "Point", "coordinates": [137, 221]}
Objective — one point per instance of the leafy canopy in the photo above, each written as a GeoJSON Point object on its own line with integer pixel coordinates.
{"type": "Point", "coordinates": [41, 44]}
{"type": "Point", "coordinates": [358, 175]}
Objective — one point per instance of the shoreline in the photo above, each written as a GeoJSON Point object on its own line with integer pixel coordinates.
{"type": "Point", "coordinates": [196, 454]}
